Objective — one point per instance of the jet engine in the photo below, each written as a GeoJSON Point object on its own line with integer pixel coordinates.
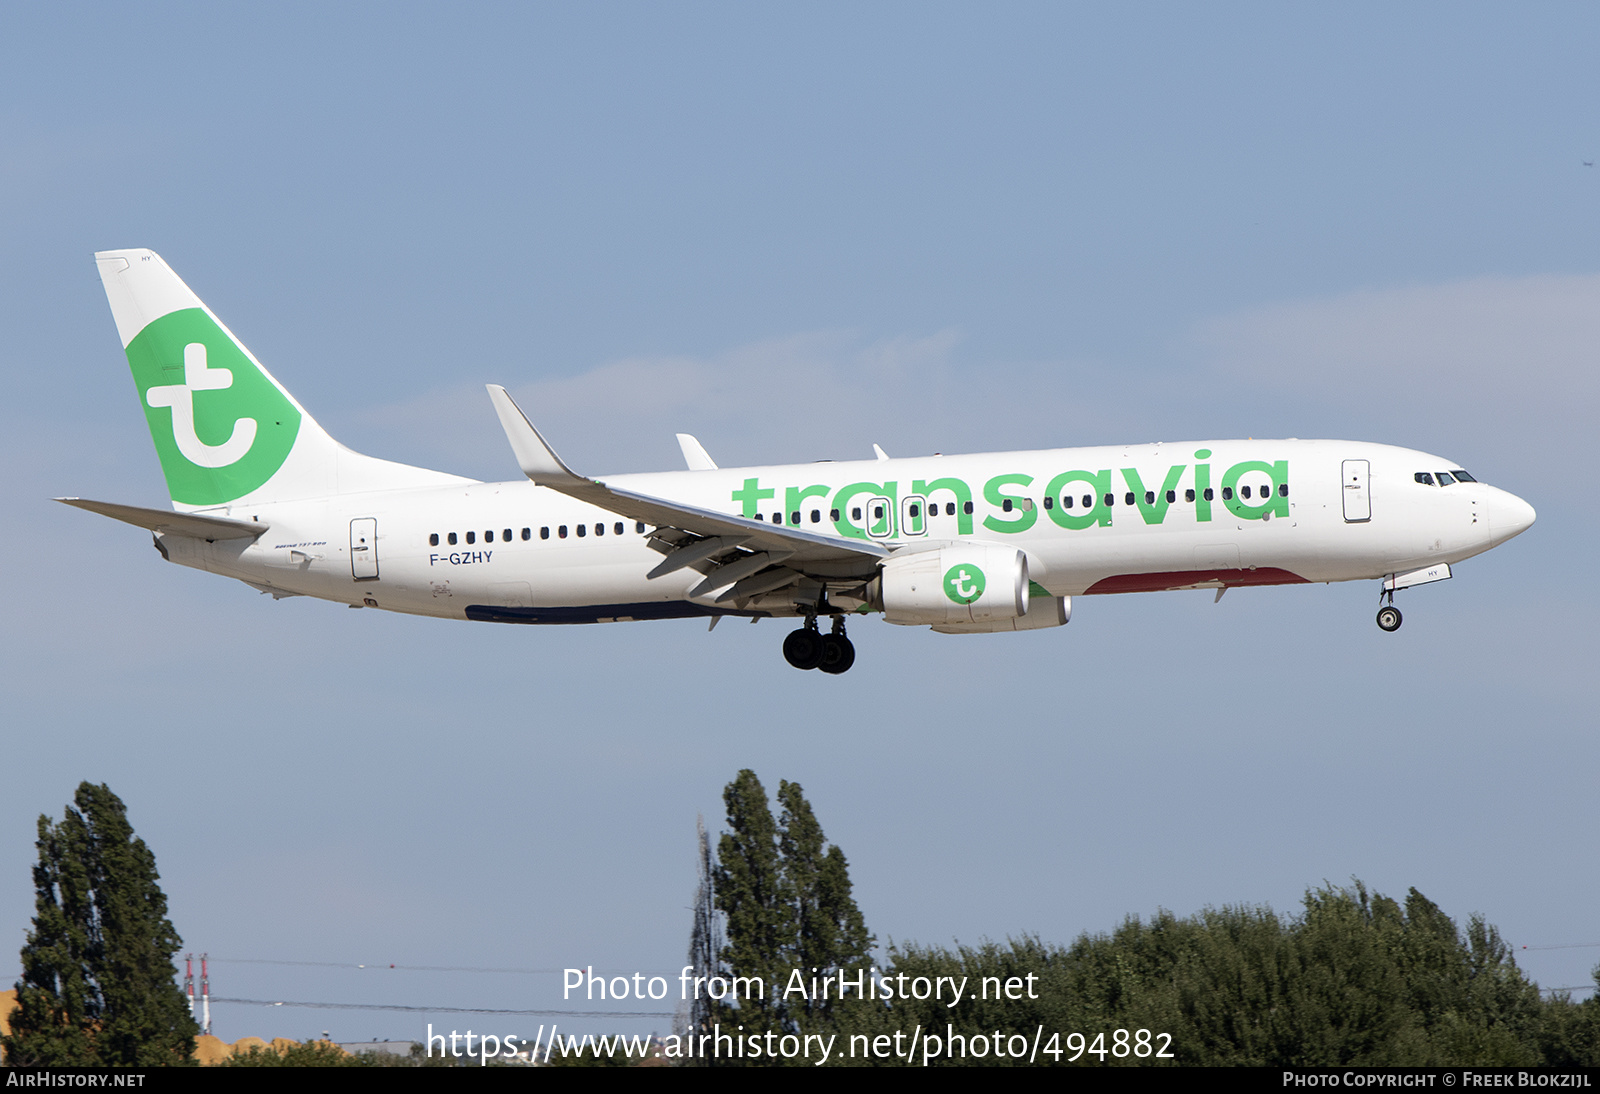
{"type": "Point", "coordinates": [967, 583]}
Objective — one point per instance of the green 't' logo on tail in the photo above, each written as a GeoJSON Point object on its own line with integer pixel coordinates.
{"type": "Point", "coordinates": [221, 428]}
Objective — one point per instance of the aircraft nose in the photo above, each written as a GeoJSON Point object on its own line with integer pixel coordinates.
{"type": "Point", "coordinates": [1509, 515]}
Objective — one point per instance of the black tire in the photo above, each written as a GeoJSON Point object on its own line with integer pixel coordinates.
{"type": "Point", "coordinates": [1389, 618]}
{"type": "Point", "coordinates": [838, 654]}
{"type": "Point", "coordinates": [803, 648]}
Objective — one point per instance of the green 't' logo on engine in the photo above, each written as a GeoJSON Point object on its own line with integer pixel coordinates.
{"type": "Point", "coordinates": [963, 583]}
{"type": "Point", "coordinates": [221, 428]}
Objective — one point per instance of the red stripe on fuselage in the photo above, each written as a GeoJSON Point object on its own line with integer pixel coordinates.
{"type": "Point", "coordinates": [1188, 579]}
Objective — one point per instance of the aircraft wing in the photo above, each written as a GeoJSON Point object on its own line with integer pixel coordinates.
{"type": "Point", "coordinates": [766, 555]}
{"type": "Point", "coordinates": [197, 525]}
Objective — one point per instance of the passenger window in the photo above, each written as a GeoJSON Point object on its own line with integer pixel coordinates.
{"type": "Point", "coordinates": [488, 537]}
{"type": "Point", "coordinates": [1208, 494]}
{"type": "Point", "coordinates": [816, 516]}
{"type": "Point", "coordinates": [544, 533]}
{"type": "Point", "coordinates": [949, 508]}
{"type": "Point", "coordinates": [794, 517]}
{"type": "Point", "coordinates": [1283, 490]}
{"type": "Point", "coordinates": [527, 534]}
{"type": "Point", "coordinates": [1227, 493]}
{"type": "Point", "coordinates": [451, 538]}
{"type": "Point", "coordinates": [1088, 501]}
{"type": "Point", "coordinates": [433, 539]}
{"type": "Point", "coordinates": [833, 515]}
{"type": "Point", "coordinates": [1149, 497]}
{"type": "Point", "coordinates": [583, 530]}
{"type": "Point", "coordinates": [1424, 478]}
{"type": "Point", "coordinates": [1006, 505]}
{"type": "Point", "coordinates": [562, 531]}
{"type": "Point", "coordinates": [761, 518]}
{"type": "Point", "coordinates": [915, 511]}
{"type": "Point", "coordinates": [1111, 499]}
{"type": "Point", "coordinates": [777, 518]}
{"type": "Point", "coordinates": [1188, 495]}
{"type": "Point", "coordinates": [639, 527]}
{"type": "Point", "coordinates": [1049, 502]}
{"type": "Point", "coordinates": [617, 528]}
{"type": "Point", "coordinates": [1172, 496]}
{"type": "Point", "coordinates": [1128, 499]}
{"type": "Point", "coordinates": [1245, 492]}
{"type": "Point", "coordinates": [599, 529]}
{"type": "Point", "coordinates": [877, 512]}
{"type": "Point", "coordinates": [470, 537]}
{"type": "Point", "coordinates": [855, 512]}
{"type": "Point", "coordinates": [966, 507]}
{"type": "Point", "coordinates": [1066, 501]}
{"type": "Point", "coordinates": [506, 535]}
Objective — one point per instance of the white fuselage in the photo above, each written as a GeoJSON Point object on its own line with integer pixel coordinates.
{"type": "Point", "coordinates": [1316, 511]}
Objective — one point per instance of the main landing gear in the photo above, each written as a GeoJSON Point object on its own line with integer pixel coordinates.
{"type": "Point", "coordinates": [1389, 618]}
{"type": "Point", "coordinates": [809, 648]}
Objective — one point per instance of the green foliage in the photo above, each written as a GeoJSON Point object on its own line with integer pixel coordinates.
{"type": "Point", "coordinates": [787, 899]}
{"type": "Point", "coordinates": [98, 985]}
{"type": "Point", "coordinates": [750, 891]}
{"type": "Point", "coordinates": [1354, 979]}
{"type": "Point", "coordinates": [327, 1054]}
{"type": "Point", "coordinates": [300, 1054]}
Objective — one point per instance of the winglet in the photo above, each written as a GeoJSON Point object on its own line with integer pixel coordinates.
{"type": "Point", "coordinates": [695, 454]}
{"type": "Point", "coordinates": [534, 455]}
{"type": "Point", "coordinates": [879, 452]}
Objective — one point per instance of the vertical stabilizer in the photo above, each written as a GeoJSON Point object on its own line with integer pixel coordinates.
{"type": "Point", "coordinates": [226, 431]}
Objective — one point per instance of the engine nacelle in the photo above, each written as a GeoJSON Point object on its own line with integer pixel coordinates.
{"type": "Point", "coordinates": [1043, 611]}
{"type": "Point", "coordinates": [963, 583]}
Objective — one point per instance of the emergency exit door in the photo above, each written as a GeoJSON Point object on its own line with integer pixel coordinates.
{"type": "Point", "coordinates": [1357, 500]}
{"type": "Point", "coordinates": [364, 548]}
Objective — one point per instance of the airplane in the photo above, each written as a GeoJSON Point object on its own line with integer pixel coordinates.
{"type": "Point", "coordinates": [965, 544]}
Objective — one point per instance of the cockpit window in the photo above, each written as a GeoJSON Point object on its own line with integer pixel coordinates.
{"type": "Point", "coordinates": [1445, 479]}
{"type": "Point", "coordinates": [1424, 478]}
{"type": "Point", "coordinates": [1462, 476]}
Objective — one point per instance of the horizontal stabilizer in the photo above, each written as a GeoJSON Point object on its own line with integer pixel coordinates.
{"type": "Point", "coordinates": [166, 522]}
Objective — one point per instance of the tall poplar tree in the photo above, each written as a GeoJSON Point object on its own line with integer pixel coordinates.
{"type": "Point", "coordinates": [787, 898]}
{"type": "Point", "coordinates": [750, 891]}
{"type": "Point", "coordinates": [98, 985]}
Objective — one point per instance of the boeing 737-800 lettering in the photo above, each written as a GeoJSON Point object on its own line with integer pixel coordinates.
{"type": "Point", "coordinates": [964, 544]}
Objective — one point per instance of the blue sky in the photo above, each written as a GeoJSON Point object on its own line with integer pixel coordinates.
{"type": "Point", "coordinates": [796, 232]}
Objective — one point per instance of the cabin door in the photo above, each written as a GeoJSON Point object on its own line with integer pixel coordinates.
{"type": "Point", "coordinates": [1357, 500]}
{"type": "Point", "coordinates": [364, 548]}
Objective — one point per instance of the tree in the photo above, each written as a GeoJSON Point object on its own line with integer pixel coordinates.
{"type": "Point", "coordinates": [98, 985]}
{"type": "Point", "coordinates": [787, 898]}
{"type": "Point", "coordinates": [829, 931]}
{"type": "Point", "coordinates": [750, 892]}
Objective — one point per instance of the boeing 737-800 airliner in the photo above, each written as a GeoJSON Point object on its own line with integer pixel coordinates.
{"type": "Point", "coordinates": [964, 544]}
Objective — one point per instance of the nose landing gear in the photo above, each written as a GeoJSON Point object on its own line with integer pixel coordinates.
{"type": "Point", "coordinates": [1389, 618]}
{"type": "Point", "coordinates": [808, 648]}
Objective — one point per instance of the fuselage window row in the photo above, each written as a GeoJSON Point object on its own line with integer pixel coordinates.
{"type": "Point", "coordinates": [508, 535]}
{"type": "Point", "coordinates": [1068, 501]}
